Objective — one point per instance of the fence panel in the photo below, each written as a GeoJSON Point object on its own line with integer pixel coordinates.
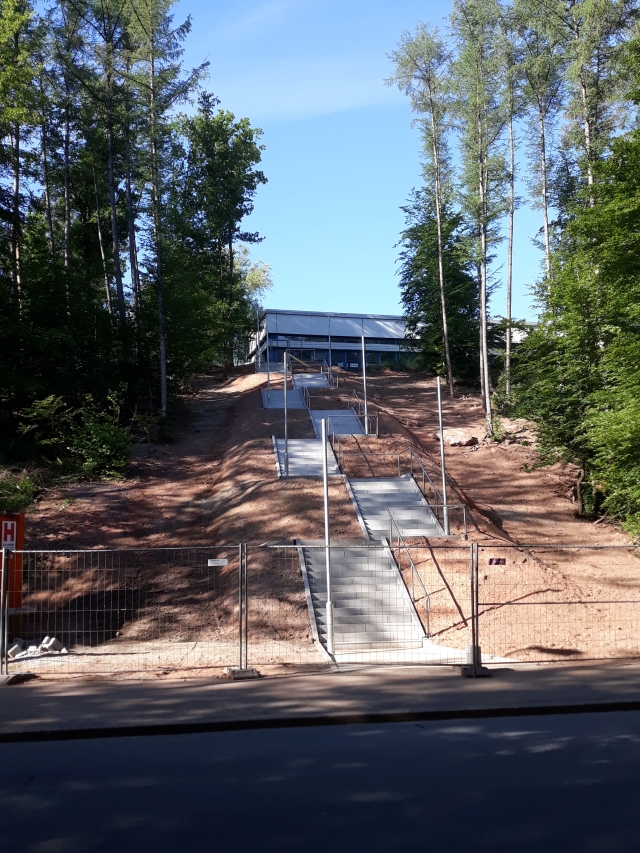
{"type": "Point", "coordinates": [278, 625]}
{"type": "Point", "coordinates": [130, 611]}
{"type": "Point", "coordinates": [557, 603]}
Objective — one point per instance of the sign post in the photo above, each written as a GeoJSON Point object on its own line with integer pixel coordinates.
{"type": "Point", "coordinates": [12, 539]}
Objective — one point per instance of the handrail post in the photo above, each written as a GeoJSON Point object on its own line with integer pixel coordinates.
{"type": "Point", "coordinates": [364, 385]}
{"type": "Point", "coordinates": [445, 509]}
{"type": "Point", "coordinates": [286, 425]}
{"type": "Point", "coordinates": [327, 541]}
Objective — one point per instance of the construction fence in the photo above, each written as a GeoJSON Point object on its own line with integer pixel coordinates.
{"type": "Point", "coordinates": [200, 609]}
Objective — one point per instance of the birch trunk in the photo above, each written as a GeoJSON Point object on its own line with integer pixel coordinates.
{"type": "Point", "coordinates": [512, 210]}
{"type": "Point", "coordinates": [101, 244]}
{"type": "Point", "coordinates": [16, 267]}
{"type": "Point", "coordinates": [115, 239]}
{"type": "Point", "coordinates": [443, 302]}
{"type": "Point", "coordinates": [544, 190]}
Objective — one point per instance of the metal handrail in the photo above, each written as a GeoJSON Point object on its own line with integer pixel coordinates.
{"type": "Point", "coordinates": [439, 503]}
{"type": "Point", "coordinates": [414, 571]}
{"type": "Point", "coordinates": [438, 494]}
{"type": "Point", "coordinates": [335, 440]}
{"type": "Point", "coordinates": [326, 368]}
{"type": "Point", "coordinates": [367, 420]}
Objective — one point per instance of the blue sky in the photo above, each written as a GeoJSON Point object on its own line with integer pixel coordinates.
{"type": "Point", "coordinates": [341, 156]}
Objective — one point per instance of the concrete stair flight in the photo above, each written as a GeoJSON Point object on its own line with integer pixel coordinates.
{"type": "Point", "coordinates": [412, 513]}
{"type": "Point", "coordinates": [275, 399]}
{"type": "Point", "coordinates": [310, 380]}
{"type": "Point", "coordinates": [372, 612]}
{"type": "Point", "coordinates": [343, 421]}
{"type": "Point", "coordinates": [305, 458]}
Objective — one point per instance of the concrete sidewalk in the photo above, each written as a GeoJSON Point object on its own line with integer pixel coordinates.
{"type": "Point", "coordinates": [34, 711]}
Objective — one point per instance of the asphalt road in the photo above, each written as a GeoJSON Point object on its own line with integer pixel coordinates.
{"type": "Point", "coordinates": [544, 784]}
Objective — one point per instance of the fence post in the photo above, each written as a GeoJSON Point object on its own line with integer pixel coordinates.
{"type": "Point", "coordinates": [246, 612]}
{"type": "Point", "coordinates": [6, 556]}
{"type": "Point", "coordinates": [472, 588]}
{"type": "Point", "coordinates": [240, 606]}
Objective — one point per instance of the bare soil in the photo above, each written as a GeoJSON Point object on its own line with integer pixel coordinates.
{"type": "Point", "coordinates": [216, 484]}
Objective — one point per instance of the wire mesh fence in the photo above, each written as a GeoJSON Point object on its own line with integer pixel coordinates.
{"type": "Point", "coordinates": [101, 612]}
{"type": "Point", "coordinates": [552, 603]}
{"type": "Point", "coordinates": [396, 601]}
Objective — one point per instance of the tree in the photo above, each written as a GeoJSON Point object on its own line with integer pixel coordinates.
{"type": "Point", "coordinates": [161, 87]}
{"type": "Point", "coordinates": [578, 374]}
{"type": "Point", "coordinates": [428, 246]}
{"type": "Point", "coordinates": [481, 117]}
{"type": "Point", "coordinates": [219, 186]}
{"type": "Point", "coordinates": [421, 71]}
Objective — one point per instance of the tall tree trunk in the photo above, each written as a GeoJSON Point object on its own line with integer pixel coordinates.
{"type": "Point", "coordinates": [67, 199]}
{"type": "Point", "coordinates": [157, 237]}
{"type": "Point", "coordinates": [486, 382]}
{"type": "Point", "coordinates": [16, 267]}
{"type": "Point", "coordinates": [131, 222]}
{"type": "Point", "coordinates": [512, 210]}
{"type": "Point", "coordinates": [115, 239]}
{"type": "Point", "coordinates": [44, 135]}
{"type": "Point", "coordinates": [443, 301]}
{"type": "Point", "coordinates": [133, 254]}
{"type": "Point", "coordinates": [544, 190]}
{"type": "Point", "coordinates": [101, 244]}
{"type": "Point", "coordinates": [587, 139]}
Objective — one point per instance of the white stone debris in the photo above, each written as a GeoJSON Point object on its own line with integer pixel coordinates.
{"type": "Point", "coordinates": [49, 646]}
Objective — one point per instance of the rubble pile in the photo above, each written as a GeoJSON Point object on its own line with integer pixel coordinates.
{"type": "Point", "coordinates": [23, 649]}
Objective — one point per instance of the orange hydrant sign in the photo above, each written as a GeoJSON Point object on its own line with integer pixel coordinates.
{"type": "Point", "coordinates": [12, 539]}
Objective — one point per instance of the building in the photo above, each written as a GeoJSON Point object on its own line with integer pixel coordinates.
{"type": "Point", "coordinates": [331, 337]}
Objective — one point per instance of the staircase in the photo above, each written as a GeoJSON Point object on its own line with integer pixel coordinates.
{"type": "Point", "coordinates": [411, 512]}
{"type": "Point", "coordinates": [305, 458]}
{"type": "Point", "coordinates": [372, 610]}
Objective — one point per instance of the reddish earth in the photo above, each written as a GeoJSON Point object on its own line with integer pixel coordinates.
{"type": "Point", "coordinates": [216, 484]}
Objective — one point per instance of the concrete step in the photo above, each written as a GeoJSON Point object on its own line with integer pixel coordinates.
{"type": "Point", "coordinates": [275, 399]}
{"type": "Point", "coordinates": [343, 421]}
{"type": "Point", "coordinates": [374, 498]}
{"type": "Point", "coordinates": [305, 458]}
{"type": "Point", "coordinates": [371, 606]}
{"type": "Point", "coordinates": [310, 380]}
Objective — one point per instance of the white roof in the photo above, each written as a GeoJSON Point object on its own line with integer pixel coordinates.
{"type": "Point", "coordinates": [334, 324]}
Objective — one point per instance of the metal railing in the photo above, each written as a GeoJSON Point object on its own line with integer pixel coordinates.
{"type": "Point", "coordinates": [331, 378]}
{"type": "Point", "coordinates": [420, 476]}
{"type": "Point", "coordinates": [356, 403]}
{"type": "Point", "coordinates": [336, 446]}
{"type": "Point", "coordinates": [400, 547]}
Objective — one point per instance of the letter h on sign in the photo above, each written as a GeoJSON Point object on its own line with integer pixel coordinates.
{"type": "Point", "coordinates": [9, 535]}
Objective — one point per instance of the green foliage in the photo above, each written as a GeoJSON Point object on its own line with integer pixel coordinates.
{"type": "Point", "coordinates": [88, 439]}
{"type": "Point", "coordinates": [17, 490]}
{"type": "Point", "coordinates": [578, 374]}
{"type": "Point", "coordinates": [420, 290]}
